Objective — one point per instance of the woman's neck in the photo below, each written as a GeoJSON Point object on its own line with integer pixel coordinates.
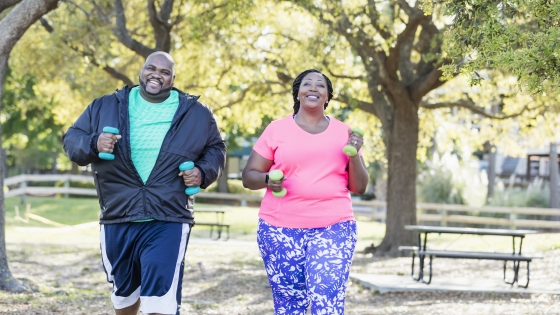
{"type": "Point", "coordinates": [313, 124]}
{"type": "Point", "coordinates": [310, 119]}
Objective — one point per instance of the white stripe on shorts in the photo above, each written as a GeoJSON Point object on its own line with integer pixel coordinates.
{"type": "Point", "coordinates": [167, 304]}
{"type": "Point", "coordinates": [119, 302]}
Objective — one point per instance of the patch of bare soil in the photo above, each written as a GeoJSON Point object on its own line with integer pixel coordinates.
{"type": "Point", "coordinates": [227, 277]}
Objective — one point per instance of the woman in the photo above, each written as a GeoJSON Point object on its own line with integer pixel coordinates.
{"type": "Point", "coordinates": [307, 238]}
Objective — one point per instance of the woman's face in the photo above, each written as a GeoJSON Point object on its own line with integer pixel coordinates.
{"type": "Point", "coordinates": [313, 92]}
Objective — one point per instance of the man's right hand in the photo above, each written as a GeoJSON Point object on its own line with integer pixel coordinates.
{"type": "Point", "coordinates": [106, 142]}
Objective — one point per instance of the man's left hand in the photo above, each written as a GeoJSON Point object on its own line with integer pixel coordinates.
{"type": "Point", "coordinates": [192, 177]}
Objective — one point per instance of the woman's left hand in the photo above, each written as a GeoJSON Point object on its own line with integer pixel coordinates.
{"type": "Point", "coordinates": [355, 140]}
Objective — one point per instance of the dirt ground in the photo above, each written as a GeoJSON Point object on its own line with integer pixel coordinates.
{"type": "Point", "coordinates": [227, 277]}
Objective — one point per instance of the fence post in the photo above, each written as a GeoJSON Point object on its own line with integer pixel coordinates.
{"type": "Point", "coordinates": [512, 218]}
{"type": "Point", "coordinates": [443, 217]}
{"type": "Point", "coordinates": [27, 211]}
{"type": "Point", "coordinates": [243, 202]}
{"type": "Point", "coordinates": [23, 187]}
{"type": "Point", "coordinates": [66, 187]}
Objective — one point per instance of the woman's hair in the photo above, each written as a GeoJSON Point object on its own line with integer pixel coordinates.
{"type": "Point", "coordinates": [297, 83]}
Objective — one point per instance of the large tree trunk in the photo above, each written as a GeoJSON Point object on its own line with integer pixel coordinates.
{"type": "Point", "coordinates": [491, 172]}
{"type": "Point", "coordinates": [12, 28]}
{"type": "Point", "coordinates": [7, 281]}
{"type": "Point", "coordinates": [223, 180]}
{"type": "Point", "coordinates": [402, 143]}
{"type": "Point", "coordinates": [553, 182]}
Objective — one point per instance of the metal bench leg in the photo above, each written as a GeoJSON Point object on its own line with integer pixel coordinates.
{"type": "Point", "coordinates": [412, 271]}
{"type": "Point", "coordinates": [528, 275]}
{"type": "Point", "coordinates": [219, 230]}
{"type": "Point", "coordinates": [516, 265]}
{"type": "Point", "coordinates": [227, 231]}
{"type": "Point", "coordinates": [430, 278]}
{"type": "Point", "coordinates": [421, 266]}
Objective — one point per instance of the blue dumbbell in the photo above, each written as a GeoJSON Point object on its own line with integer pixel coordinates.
{"type": "Point", "coordinates": [185, 166]}
{"type": "Point", "coordinates": [106, 155]}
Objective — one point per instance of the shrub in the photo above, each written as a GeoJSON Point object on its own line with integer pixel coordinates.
{"type": "Point", "coordinates": [448, 180]}
{"type": "Point", "coordinates": [535, 195]}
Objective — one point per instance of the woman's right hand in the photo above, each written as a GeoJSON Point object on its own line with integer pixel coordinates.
{"type": "Point", "coordinates": [276, 185]}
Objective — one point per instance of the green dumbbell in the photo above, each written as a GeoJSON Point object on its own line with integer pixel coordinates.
{"type": "Point", "coordinates": [185, 166]}
{"type": "Point", "coordinates": [350, 150]}
{"type": "Point", "coordinates": [277, 175]}
{"type": "Point", "coordinates": [106, 155]}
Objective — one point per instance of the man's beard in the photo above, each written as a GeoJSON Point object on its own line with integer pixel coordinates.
{"type": "Point", "coordinates": [161, 91]}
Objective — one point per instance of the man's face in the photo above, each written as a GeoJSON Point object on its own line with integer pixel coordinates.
{"type": "Point", "coordinates": [157, 75]}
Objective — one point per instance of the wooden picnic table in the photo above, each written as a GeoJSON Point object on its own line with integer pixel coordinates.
{"type": "Point", "coordinates": [422, 250]}
{"type": "Point", "coordinates": [218, 223]}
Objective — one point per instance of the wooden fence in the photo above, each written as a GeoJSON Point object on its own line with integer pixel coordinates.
{"type": "Point", "coordinates": [510, 217]}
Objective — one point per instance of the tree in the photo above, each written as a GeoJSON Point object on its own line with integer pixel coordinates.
{"type": "Point", "coordinates": [519, 37]}
{"type": "Point", "coordinates": [516, 36]}
{"type": "Point", "coordinates": [12, 27]}
{"type": "Point", "coordinates": [31, 131]}
{"type": "Point", "coordinates": [116, 36]}
{"type": "Point", "coordinates": [397, 60]}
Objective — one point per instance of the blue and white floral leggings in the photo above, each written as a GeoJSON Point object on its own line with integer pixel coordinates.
{"type": "Point", "coordinates": [308, 266]}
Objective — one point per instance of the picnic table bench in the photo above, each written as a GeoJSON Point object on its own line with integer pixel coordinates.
{"type": "Point", "coordinates": [422, 251]}
{"type": "Point", "coordinates": [218, 223]}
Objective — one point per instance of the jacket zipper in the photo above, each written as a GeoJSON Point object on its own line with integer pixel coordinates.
{"type": "Point", "coordinates": [103, 207]}
{"type": "Point", "coordinates": [126, 119]}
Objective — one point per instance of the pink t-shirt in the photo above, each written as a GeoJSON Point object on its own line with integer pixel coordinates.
{"type": "Point", "coordinates": [315, 170]}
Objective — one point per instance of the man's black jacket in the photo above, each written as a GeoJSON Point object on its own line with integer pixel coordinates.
{"type": "Point", "coordinates": [192, 136]}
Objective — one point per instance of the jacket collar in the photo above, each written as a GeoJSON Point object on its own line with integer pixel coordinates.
{"type": "Point", "coordinates": [122, 94]}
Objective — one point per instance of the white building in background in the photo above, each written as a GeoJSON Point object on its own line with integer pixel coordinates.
{"type": "Point", "coordinates": [535, 163]}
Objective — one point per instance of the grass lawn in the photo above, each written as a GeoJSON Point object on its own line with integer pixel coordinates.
{"type": "Point", "coordinates": [229, 278]}
{"type": "Point", "coordinates": [73, 211]}
{"type": "Point", "coordinates": [243, 221]}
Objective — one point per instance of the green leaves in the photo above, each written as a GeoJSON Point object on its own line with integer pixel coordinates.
{"type": "Point", "coordinates": [520, 37]}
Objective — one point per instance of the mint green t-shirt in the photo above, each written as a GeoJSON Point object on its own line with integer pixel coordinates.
{"type": "Point", "coordinates": [149, 123]}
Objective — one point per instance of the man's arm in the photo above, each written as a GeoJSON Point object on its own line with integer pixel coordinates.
{"type": "Point", "coordinates": [213, 159]}
{"type": "Point", "coordinates": [79, 142]}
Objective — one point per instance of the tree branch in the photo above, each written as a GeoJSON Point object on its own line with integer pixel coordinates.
{"type": "Point", "coordinates": [111, 71]}
{"type": "Point", "coordinates": [121, 32]}
{"type": "Point", "coordinates": [341, 76]}
{"type": "Point", "coordinates": [424, 84]}
{"type": "Point", "coordinates": [104, 17]}
{"type": "Point", "coordinates": [406, 36]}
{"type": "Point", "coordinates": [470, 105]}
{"type": "Point", "coordinates": [7, 3]}
{"type": "Point", "coordinates": [86, 12]}
{"type": "Point", "coordinates": [244, 93]}
{"type": "Point", "coordinates": [373, 15]}
{"type": "Point", "coordinates": [18, 20]}
{"type": "Point", "coordinates": [160, 25]}
{"type": "Point", "coordinates": [356, 103]}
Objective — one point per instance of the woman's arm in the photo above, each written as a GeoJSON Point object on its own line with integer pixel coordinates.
{"type": "Point", "coordinates": [254, 174]}
{"type": "Point", "coordinates": [358, 177]}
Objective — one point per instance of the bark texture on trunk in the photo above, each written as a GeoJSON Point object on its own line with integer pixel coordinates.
{"type": "Point", "coordinates": [491, 171]}
{"type": "Point", "coordinates": [223, 180]}
{"type": "Point", "coordinates": [402, 143]}
{"type": "Point", "coordinates": [554, 198]}
{"type": "Point", "coordinates": [12, 28]}
{"type": "Point", "coordinates": [7, 281]}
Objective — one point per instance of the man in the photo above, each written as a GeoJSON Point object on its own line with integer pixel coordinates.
{"type": "Point", "coordinates": [146, 217]}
